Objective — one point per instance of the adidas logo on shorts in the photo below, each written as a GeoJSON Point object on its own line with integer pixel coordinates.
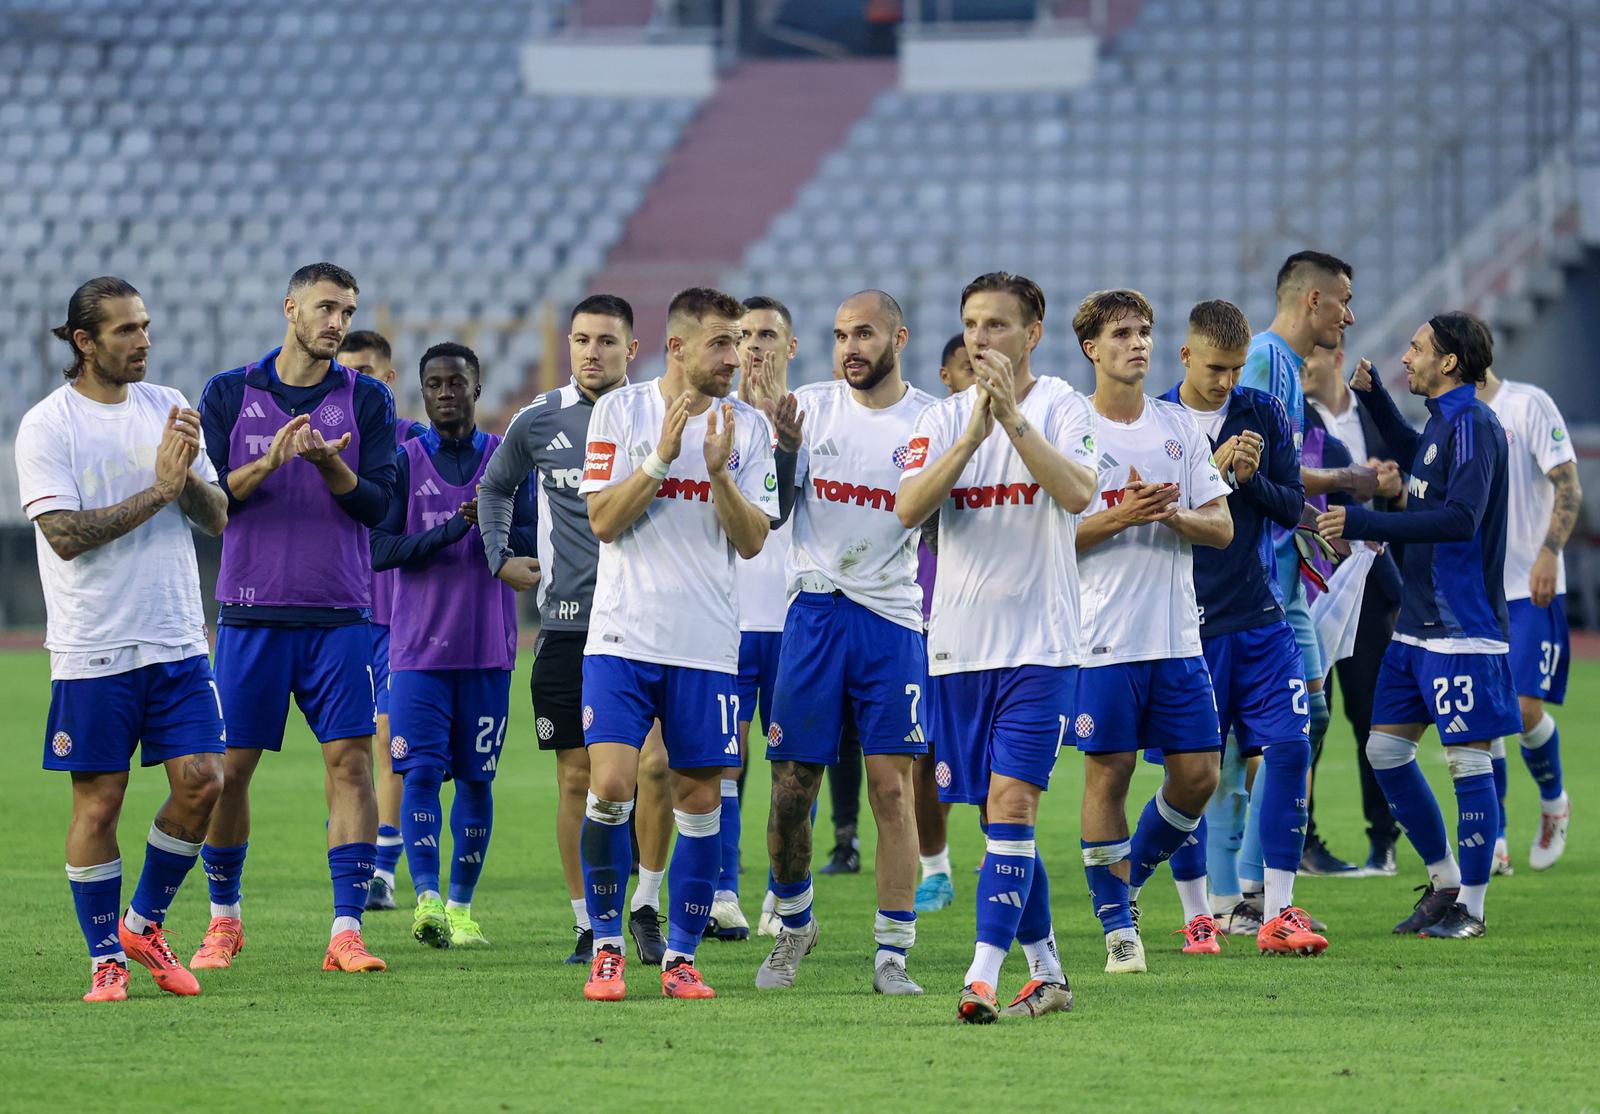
{"type": "Point", "coordinates": [732, 747]}
{"type": "Point", "coordinates": [1455, 726]}
{"type": "Point", "coordinates": [916, 735]}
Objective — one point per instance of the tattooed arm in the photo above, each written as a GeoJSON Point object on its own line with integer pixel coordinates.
{"type": "Point", "coordinates": [74, 533]}
{"type": "Point", "coordinates": [204, 504]}
{"type": "Point", "coordinates": [1563, 517]}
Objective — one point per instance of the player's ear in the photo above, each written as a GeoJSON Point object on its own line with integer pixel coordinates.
{"type": "Point", "coordinates": [1183, 356]}
{"type": "Point", "coordinates": [633, 349]}
{"type": "Point", "coordinates": [901, 335]}
{"type": "Point", "coordinates": [1035, 334]}
{"type": "Point", "coordinates": [794, 346]}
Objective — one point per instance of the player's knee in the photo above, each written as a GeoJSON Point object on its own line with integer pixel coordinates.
{"type": "Point", "coordinates": [604, 810]}
{"type": "Point", "coordinates": [97, 814]}
{"type": "Point", "coordinates": [653, 764]}
{"type": "Point", "coordinates": [1532, 712]}
{"type": "Point", "coordinates": [1012, 803]}
{"type": "Point", "coordinates": [890, 797]}
{"type": "Point", "coordinates": [1465, 762]}
{"type": "Point", "coordinates": [1389, 752]}
{"type": "Point", "coordinates": [793, 789]}
{"type": "Point", "coordinates": [1200, 783]}
{"type": "Point", "coordinates": [201, 783]}
{"type": "Point", "coordinates": [572, 780]}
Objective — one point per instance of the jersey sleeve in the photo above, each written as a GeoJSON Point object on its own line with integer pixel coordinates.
{"type": "Point", "coordinates": [1071, 429]}
{"type": "Point", "coordinates": [605, 458]}
{"type": "Point", "coordinates": [930, 439]}
{"type": "Point", "coordinates": [1548, 439]}
{"type": "Point", "coordinates": [510, 470]}
{"type": "Point", "coordinates": [44, 468]}
{"type": "Point", "coordinates": [1202, 482]}
{"type": "Point", "coordinates": [757, 475]}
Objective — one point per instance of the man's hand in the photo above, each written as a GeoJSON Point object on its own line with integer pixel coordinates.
{"type": "Point", "coordinates": [758, 380]}
{"type": "Point", "coordinates": [1361, 380]}
{"type": "Point", "coordinates": [1388, 476]}
{"type": "Point", "coordinates": [173, 457]}
{"type": "Point", "coordinates": [995, 379]}
{"type": "Point", "coordinates": [1542, 584]}
{"type": "Point", "coordinates": [670, 443]}
{"type": "Point", "coordinates": [521, 573]}
{"type": "Point", "coordinates": [283, 442]}
{"type": "Point", "coordinates": [309, 445]}
{"type": "Point", "coordinates": [788, 421]}
{"type": "Point", "coordinates": [1143, 503]}
{"type": "Point", "coordinates": [981, 424]}
{"type": "Point", "coordinates": [187, 424]}
{"type": "Point", "coordinates": [1363, 482]}
{"type": "Point", "coordinates": [469, 511]}
{"type": "Point", "coordinates": [719, 439]}
{"type": "Point", "coordinates": [1330, 523]}
{"type": "Point", "coordinates": [1246, 455]}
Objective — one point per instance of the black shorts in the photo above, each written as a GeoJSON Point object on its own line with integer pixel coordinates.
{"type": "Point", "coordinates": [557, 688]}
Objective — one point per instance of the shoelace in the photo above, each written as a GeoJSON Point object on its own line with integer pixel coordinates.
{"type": "Point", "coordinates": [354, 945]}
{"type": "Point", "coordinates": [1123, 949]}
{"type": "Point", "coordinates": [683, 972]}
{"type": "Point", "coordinates": [786, 952]}
{"type": "Point", "coordinates": [610, 965]}
{"type": "Point", "coordinates": [1298, 917]}
{"type": "Point", "coordinates": [107, 973]}
{"type": "Point", "coordinates": [157, 938]}
{"type": "Point", "coordinates": [1206, 929]}
{"type": "Point", "coordinates": [220, 938]}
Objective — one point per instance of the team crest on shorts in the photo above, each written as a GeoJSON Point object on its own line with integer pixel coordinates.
{"type": "Point", "coordinates": [1083, 726]}
{"type": "Point", "coordinates": [588, 716]}
{"type": "Point", "coordinates": [898, 457]}
{"type": "Point", "coordinates": [398, 747]}
{"type": "Point", "coordinates": [941, 774]}
{"type": "Point", "coordinates": [61, 744]}
{"type": "Point", "coordinates": [545, 728]}
{"type": "Point", "coordinates": [330, 415]}
{"type": "Point", "coordinates": [1433, 451]}
{"type": "Point", "coordinates": [775, 735]}
{"type": "Point", "coordinates": [1174, 450]}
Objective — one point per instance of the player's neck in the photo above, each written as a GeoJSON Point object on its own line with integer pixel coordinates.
{"type": "Point", "coordinates": [674, 382]}
{"type": "Point", "coordinates": [1194, 400]}
{"type": "Point", "coordinates": [1297, 334]}
{"type": "Point", "coordinates": [455, 431]}
{"type": "Point", "coordinates": [1121, 402]}
{"type": "Point", "coordinates": [299, 368]}
{"type": "Point", "coordinates": [96, 389]}
{"type": "Point", "coordinates": [882, 395]}
{"type": "Point", "coordinates": [1490, 386]}
{"type": "Point", "coordinates": [1336, 397]}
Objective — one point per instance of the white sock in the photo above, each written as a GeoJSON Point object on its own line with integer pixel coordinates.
{"type": "Point", "coordinates": [986, 961]}
{"type": "Point", "coordinates": [1280, 891]}
{"type": "Point", "coordinates": [886, 956]}
{"type": "Point", "coordinates": [672, 957]}
{"type": "Point", "coordinates": [1118, 935]}
{"type": "Point", "coordinates": [1540, 735]}
{"type": "Point", "coordinates": [1444, 874]}
{"type": "Point", "coordinates": [1501, 847]}
{"type": "Point", "coordinates": [385, 876]}
{"type": "Point", "coordinates": [1134, 892]}
{"type": "Point", "coordinates": [613, 942]}
{"type": "Point", "coordinates": [345, 924]}
{"type": "Point", "coordinates": [1224, 903]}
{"type": "Point", "coordinates": [936, 863]}
{"type": "Point", "coordinates": [769, 904]}
{"type": "Point", "coordinates": [429, 895]}
{"type": "Point", "coordinates": [580, 912]}
{"type": "Point", "coordinates": [1044, 962]}
{"type": "Point", "coordinates": [1192, 893]}
{"type": "Point", "coordinates": [458, 905]}
{"type": "Point", "coordinates": [96, 960]}
{"type": "Point", "coordinates": [134, 921]}
{"type": "Point", "coordinates": [726, 895]}
{"type": "Point", "coordinates": [1472, 897]}
{"type": "Point", "coordinates": [1557, 807]}
{"type": "Point", "coordinates": [225, 910]}
{"type": "Point", "coordinates": [647, 891]}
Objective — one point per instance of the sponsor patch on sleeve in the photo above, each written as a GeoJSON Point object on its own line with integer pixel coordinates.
{"type": "Point", "coordinates": [598, 460]}
{"type": "Point", "coordinates": [917, 452]}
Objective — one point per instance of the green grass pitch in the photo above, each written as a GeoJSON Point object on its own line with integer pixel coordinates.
{"type": "Point", "coordinates": [1379, 1023]}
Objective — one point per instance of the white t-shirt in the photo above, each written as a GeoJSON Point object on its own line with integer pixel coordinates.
{"type": "Point", "coordinates": [846, 532]}
{"type": "Point", "coordinates": [1209, 421]}
{"type": "Point", "coordinates": [1346, 427]}
{"type": "Point", "coordinates": [134, 601]}
{"type": "Point", "coordinates": [1006, 592]}
{"type": "Point", "coordinates": [1138, 586]}
{"type": "Point", "coordinates": [664, 591]}
{"type": "Point", "coordinates": [1536, 442]}
{"type": "Point", "coordinates": [762, 596]}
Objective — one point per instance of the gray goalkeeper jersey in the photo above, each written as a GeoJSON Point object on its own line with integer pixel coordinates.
{"type": "Point", "coordinates": [545, 445]}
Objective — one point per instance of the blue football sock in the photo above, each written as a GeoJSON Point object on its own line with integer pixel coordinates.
{"type": "Point", "coordinates": [1498, 762]}
{"type": "Point", "coordinates": [471, 820]}
{"type": "Point", "coordinates": [1107, 892]}
{"type": "Point", "coordinates": [420, 821]}
{"type": "Point", "coordinates": [1410, 797]}
{"type": "Point", "coordinates": [1479, 814]}
{"type": "Point", "coordinates": [167, 862]}
{"type": "Point", "coordinates": [224, 867]}
{"type": "Point", "coordinates": [97, 898]}
{"type": "Point", "coordinates": [728, 878]}
{"type": "Point", "coordinates": [1189, 860]}
{"type": "Point", "coordinates": [1161, 831]}
{"type": "Point", "coordinates": [895, 931]}
{"type": "Point", "coordinates": [1035, 924]}
{"type": "Point", "coordinates": [1250, 861]}
{"type": "Point", "coordinates": [1225, 817]}
{"type": "Point", "coordinates": [1281, 827]}
{"type": "Point", "coordinates": [1541, 753]}
{"type": "Point", "coordinates": [607, 857]}
{"type": "Point", "coordinates": [1010, 855]}
{"type": "Point", "coordinates": [350, 865]}
{"type": "Point", "coordinates": [390, 845]}
{"type": "Point", "coordinates": [692, 879]}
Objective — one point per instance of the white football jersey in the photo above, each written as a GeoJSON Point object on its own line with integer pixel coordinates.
{"type": "Point", "coordinates": [134, 601]}
{"type": "Point", "coordinates": [1536, 441]}
{"type": "Point", "coordinates": [1138, 587]}
{"type": "Point", "coordinates": [845, 529]}
{"type": "Point", "coordinates": [763, 597]}
{"type": "Point", "coordinates": [1006, 591]}
{"type": "Point", "coordinates": [664, 591]}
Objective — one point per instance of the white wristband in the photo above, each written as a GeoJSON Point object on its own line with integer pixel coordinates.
{"type": "Point", "coordinates": [654, 466]}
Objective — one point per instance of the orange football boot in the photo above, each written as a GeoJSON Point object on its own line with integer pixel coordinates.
{"type": "Point", "coordinates": [681, 980]}
{"type": "Point", "coordinates": [1200, 936]}
{"type": "Point", "coordinates": [110, 982]}
{"type": "Point", "coordinates": [346, 952]}
{"type": "Point", "coordinates": [1289, 933]}
{"type": "Point", "coordinates": [605, 976]}
{"type": "Point", "coordinates": [978, 1004]}
{"type": "Point", "coordinates": [150, 948]}
{"type": "Point", "coordinates": [223, 940]}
